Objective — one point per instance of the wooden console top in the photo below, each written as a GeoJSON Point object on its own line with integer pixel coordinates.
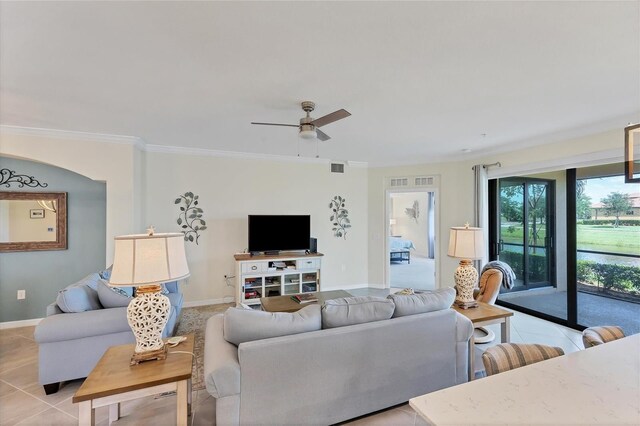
{"type": "Point", "coordinates": [283, 255]}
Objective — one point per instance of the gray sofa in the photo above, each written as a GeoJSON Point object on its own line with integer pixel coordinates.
{"type": "Point", "coordinates": [332, 374]}
{"type": "Point", "coordinates": [71, 344]}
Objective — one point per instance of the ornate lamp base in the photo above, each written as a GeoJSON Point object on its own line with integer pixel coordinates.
{"type": "Point", "coordinates": [147, 315]}
{"type": "Point", "coordinates": [466, 277]}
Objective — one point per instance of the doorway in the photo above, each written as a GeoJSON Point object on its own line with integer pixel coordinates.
{"type": "Point", "coordinates": [411, 239]}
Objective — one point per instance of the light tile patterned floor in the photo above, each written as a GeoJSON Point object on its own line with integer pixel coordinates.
{"type": "Point", "coordinates": [23, 402]}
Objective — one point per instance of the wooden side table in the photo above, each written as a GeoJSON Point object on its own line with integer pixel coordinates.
{"type": "Point", "coordinates": [486, 314]}
{"type": "Point", "coordinates": [113, 381]}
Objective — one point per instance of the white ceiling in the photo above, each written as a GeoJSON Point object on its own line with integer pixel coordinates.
{"type": "Point", "coordinates": [423, 80]}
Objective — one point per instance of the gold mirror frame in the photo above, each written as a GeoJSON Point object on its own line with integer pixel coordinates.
{"type": "Point", "coordinates": [61, 226]}
{"type": "Point", "coordinates": [631, 141]}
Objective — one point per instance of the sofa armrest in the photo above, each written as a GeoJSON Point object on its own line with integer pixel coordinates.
{"type": "Point", "coordinates": [53, 309]}
{"type": "Point", "coordinates": [464, 328]}
{"type": "Point", "coordinates": [221, 365]}
{"type": "Point", "coordinates": [78, 325]}
{"type": "Point", "coordinates": [464, 331]}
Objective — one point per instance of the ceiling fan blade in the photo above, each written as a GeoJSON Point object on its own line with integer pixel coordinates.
{"type": "Point", "coordinates": [322, 135]}
{"type": "Point", "coordinates": [276, 124]}
{"type": "Point", "coordinates": [330, 118]}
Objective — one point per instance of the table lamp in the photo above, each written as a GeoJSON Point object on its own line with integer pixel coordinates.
{"type": "Point", "coordinates": [146, 261]}
{"type": "Point", "coordinates": [467, 244]}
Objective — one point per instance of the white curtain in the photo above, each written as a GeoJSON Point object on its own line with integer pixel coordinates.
{"type": "Point", "coordinates": [481, 208]}
{"type": "Point", "coordinates": [431, 227]}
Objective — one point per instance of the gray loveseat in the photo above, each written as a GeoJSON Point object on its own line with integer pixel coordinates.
{"type": "Point", "coordinates": [332, 374]}
{"type": "Point", "coordinates": [70, 344]}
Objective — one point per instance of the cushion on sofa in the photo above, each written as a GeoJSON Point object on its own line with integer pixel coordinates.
{"type": "Point", "coordinates": [419, 303]}
{"type": "Point", "coordinates": [105, 274]}
{"type": "Point", "coordinates": [355, 310]}
{"type": "Point", "coordinates": [114, 297]}
{"type": "Point", "coordinates": [244, 325]}
{"type": "Point", "coordinates": [81, 296]}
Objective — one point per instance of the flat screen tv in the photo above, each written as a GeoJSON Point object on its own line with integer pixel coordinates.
{"type": "Point", "coordinates": [273, 233]}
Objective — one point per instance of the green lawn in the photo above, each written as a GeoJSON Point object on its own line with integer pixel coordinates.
{"type": "Point", "coordinates": [606, 238]}
{"type": "Point", "coordinates": [623, 239]}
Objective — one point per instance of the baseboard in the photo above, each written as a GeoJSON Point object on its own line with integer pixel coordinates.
{"type": "Point", "coordinates": [194, 303]}
{"type": "Point", "coordinates": [17, 324]}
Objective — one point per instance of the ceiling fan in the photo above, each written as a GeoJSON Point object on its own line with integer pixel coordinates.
{"type": "Point", "coordinates": [308, 127]}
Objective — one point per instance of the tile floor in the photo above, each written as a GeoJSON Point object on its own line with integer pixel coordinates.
{"type": "Point", "coordinates": [23, 402]}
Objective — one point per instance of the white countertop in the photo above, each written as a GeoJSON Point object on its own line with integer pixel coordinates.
{"type": "Point", "coordinates": [600, 385]}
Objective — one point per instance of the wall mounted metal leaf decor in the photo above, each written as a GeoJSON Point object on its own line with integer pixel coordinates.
{"type": "Point", "coordinates": [339, 217]}
{"type": "Point", "coordinates": [413, 212]}
{"type": "Point", "coordinates": [7, 177]}
{"type": "Point", "coordinates": [190, 217]}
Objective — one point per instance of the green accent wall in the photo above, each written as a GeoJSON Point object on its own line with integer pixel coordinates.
{"type": "Point", "coordinates": [43, 273]}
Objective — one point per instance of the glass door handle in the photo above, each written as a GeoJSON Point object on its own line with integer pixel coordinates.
{"type": "Point", "coordinates": [501, 245]}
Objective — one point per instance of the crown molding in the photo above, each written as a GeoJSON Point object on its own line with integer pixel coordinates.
{"type": "Point", "coordinates": [575, 161]}
{"type": "Point", "coordinates": [73, 135]}
{"type": "Point", "coordinates": [143, 146]}
{"type": "Point", "coordinates": [201, 152]}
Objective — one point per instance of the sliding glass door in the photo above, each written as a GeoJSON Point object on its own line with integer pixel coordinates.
{"type": "Point", "coordinates": [526, 230]}
{"type": "Point", "coordinates": [524, 239]}
{"type": "Point", "coordinates": [590, 274]}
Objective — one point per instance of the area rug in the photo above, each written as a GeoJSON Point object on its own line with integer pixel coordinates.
{"type": "Point", "coordinates": [194, 320]}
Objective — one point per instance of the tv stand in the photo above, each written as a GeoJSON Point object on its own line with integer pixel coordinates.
{"type": "Point", "coordinates": [285, 273]}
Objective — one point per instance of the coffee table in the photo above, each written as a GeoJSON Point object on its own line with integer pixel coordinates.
{"type": "Point", "coordinates": [286, 304]}
{"type": "Point", "coordinates": [114, 380]}
{"type": "Point", "coordinates": [486, 314]}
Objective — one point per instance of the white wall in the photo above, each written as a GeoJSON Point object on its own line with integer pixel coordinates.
{"type": "Point", "coordinates": [455, 196]}
{"type": "Point", "coordinates": [230, 189]}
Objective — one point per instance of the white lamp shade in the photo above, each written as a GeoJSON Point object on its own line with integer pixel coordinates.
{"type": "Point", "coordinates": [466, 243]}
{"type": "Point", "coordinates": [148, 259]}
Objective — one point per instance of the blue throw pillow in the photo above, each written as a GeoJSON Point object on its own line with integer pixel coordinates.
{"type": "Point", "coordinates": [114, 297]}
{"type": "Point", "coordinates": [106, 274]}
{"type": "Point", "coordinates": [81, 296]}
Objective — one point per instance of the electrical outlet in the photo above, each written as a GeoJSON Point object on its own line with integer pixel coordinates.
{"type": "Point", "coordinates": [22, 294]}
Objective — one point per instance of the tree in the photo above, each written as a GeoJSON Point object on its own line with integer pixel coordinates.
{"type": "Point", "coordinates": [616, 204]}
{"type": "Point", "coordinates": [510, 209]}
{"type": "Point", "coordinates": [583, 206]}
{"type": "Point", "coordinates": [583, 201]}
{"type": "Point", "coordinates": [537, 203]}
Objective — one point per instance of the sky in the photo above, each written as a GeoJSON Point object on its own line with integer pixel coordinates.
{"type": "Point", "coordinates": [599, 188]}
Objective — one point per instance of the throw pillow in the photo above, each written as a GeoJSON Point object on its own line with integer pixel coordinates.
{"type": "Point", "coordinates": [245, 325]}
{"type": "Point", "coordinates": [427, 301]}
{"type": "Point", "coordinates": [355, 310]}
{"type": "Point", "coordinates": [106, 274]}
{"type": "Point", "coordinates": [406, 291]}
{"type": "Point", "coordinates": [114, 297]}
{"type": "Point", "coordinates": [81, 296]}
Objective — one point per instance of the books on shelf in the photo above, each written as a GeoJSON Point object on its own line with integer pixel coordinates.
{"type": "Point", "coordinates": [305, 298]}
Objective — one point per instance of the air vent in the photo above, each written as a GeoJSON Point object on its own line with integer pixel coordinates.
{"type": "Point", "coordinates": [337, 168]}
{"type": "Point", "coordinates": [423, 181]}
{"type": "Point", "coordinates": [399, 182]}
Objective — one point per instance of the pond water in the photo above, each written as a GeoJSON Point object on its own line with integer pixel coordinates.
{"type": "Point", "coordinates": [610, 258]}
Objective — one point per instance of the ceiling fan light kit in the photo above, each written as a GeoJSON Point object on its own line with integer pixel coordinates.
{"type": "Point", "coordinates": [308, 127]}
{"type": "Point", "coordinates": [307, 131]}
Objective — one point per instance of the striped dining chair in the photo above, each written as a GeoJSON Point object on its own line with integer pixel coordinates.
{"type": "Point", "coordinates": [508, 356]}
{"type": "Point", "coordinates": [594, 336]}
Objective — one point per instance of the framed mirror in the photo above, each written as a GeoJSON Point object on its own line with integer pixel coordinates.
{"type": "Point", "coordinates": [31, 221]}
{"type": "Point", "coordinates": [632, 154]}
